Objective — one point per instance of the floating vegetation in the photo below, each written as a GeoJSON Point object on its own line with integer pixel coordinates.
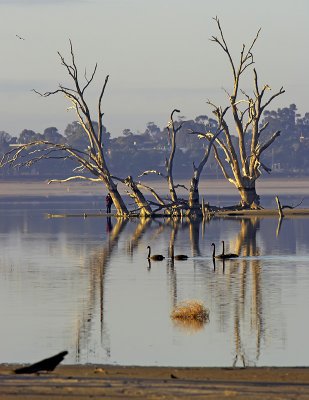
{"type": "Point", "coordinates": [190, 310]}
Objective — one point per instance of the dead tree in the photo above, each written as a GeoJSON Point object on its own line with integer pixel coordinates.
{"type": "Point", "coordinates": [172, 131]}
{"type": "Point", "coordinates": [175, 206]}
{"type": "Point", "coordinates": [194, 201]}
{"type": "Point", "coordinates": [91, 159]}
{"type": "Point", "coordinates": [143, 205]}
{"type": "Point", "coordinates": [242, 163]}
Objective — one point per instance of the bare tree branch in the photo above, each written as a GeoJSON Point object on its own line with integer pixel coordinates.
{"type": "Point", "coordinates": [281, 91]}
{"type": "Point", "coordinates": [246, 114]}
{"type": "Point", "coordinates": [265, 145]}
{"type": "Point", "coordinates": [93, 159]}
{"type": "Point", "coordinates": [223, 45]}
{"type": "Point", "coordinates": [169, 162]}
{"type": "Point", "coordinates": [100, 124]}
{"type": "Point", "coordinates": [224, 171]}
{"type": "Point", "coordinates": [152, 171]}
{"type": "Point", "coordinates": [179, 185]}
{"type": "Point", "coordinates": [153, 192]}
{"type": "Point", "coordinates": [71, 178]}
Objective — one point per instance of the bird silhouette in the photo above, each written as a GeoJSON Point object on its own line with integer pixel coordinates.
{"type": "Point", "coordinates": [178, 256]}
{"type": "Point", "coordinates": [228, 255]}
{"type": "Point", "coordinates": [219, 256]}
{"type": "Point", "coordinates": [48, 364]}
{"type": "Point", "coordinates": [19, 37]}
{"type": "Point", "coordinates": [155, 257]}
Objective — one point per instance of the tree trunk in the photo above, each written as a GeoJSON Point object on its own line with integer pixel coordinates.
{"type": "Point", "coordinates": [119, 204]}
{"type": "Point", "coordinates": [137, 195]}
{"type": "Point", "coordinates": [194, 202]}
{"type": "Point", "coordinates": [249, 197]}
{"type": "Point", "coordinates": [194, 198]}
{"type": "Point", "coordinates": [194, 194]}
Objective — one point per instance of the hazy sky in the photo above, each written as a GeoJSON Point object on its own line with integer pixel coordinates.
{"type": "Point", "coordinates": [157, 53]}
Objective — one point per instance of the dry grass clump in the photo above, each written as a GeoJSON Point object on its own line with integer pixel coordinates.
{"type": "Point", "coordinates": [190, 310]}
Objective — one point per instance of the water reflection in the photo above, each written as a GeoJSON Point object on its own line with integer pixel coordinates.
{"type": "Point", "coordinates": [122, 312]}
{"type": "Point", "coordinates": [98, 264]}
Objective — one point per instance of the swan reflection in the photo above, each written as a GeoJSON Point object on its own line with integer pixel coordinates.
{"type": "Point", "coordinates": [86, 284]}
{"type": "Point", "coordinates": [232, 288]}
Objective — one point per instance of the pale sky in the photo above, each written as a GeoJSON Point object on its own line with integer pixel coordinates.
{"type": "Point", "coordinates": [157, 53]}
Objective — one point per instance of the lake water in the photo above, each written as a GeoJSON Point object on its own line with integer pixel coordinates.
{"type": "Point", "coordinates": [85, 285]}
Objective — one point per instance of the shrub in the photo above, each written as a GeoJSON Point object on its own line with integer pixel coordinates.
{"type": "Point", "coordinates": [190, 310]}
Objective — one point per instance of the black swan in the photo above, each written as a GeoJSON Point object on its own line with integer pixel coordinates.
{"type": "Point", "coordinates": [228, 255]}
{"type": "Point", "coordinates": [178, 256]}
{"type": "Point", "coordinates": [220, 256]}
{"type": "Point", "coordinates": [155, 257]}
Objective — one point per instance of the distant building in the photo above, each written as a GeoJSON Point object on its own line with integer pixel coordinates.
{"type": "Point", "coordinates": [303, 139]}
{"type": "Point", "coordinates": [277, 167]}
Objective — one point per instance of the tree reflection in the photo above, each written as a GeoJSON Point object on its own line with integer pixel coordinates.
{"type": "Point", "coordinates": [234, 285]}
{"type": "Point", "coordinates": [98, 264]}
{"type": "Point", "coordinates": [141, 228]}
{"type": "Point", "coordinates": [194, 231]}
{"type": "Point", "coordinates": [246, 244]}
{"type": "Point", "coordinates": [172, 274]}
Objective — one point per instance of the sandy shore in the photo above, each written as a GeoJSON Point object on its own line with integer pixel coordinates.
{"type": "Point", "coordinates": [115, 382]}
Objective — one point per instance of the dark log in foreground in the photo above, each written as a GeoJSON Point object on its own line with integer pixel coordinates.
{"type": "Point", "coordinates": [48, 364]}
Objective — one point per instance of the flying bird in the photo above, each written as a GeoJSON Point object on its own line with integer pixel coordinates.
{"type": "Point", "coordinates": [19, 37]}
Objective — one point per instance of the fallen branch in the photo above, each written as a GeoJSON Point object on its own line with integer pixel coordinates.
{"type": "Point", "coordinates": [279, 207]}
{"type": "Point", "coordinates": [292, 207]}
{"type": "Point", "coordinates": [152, 171]}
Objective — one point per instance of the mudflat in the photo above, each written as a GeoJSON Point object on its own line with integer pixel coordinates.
{"type": "Point", "coordinates": [298, 186]}
{"type": "Point", "coordinates": [116, 382]}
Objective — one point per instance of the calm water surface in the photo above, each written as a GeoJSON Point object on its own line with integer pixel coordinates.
{"type": "Point", "coordinates": [84, 285]}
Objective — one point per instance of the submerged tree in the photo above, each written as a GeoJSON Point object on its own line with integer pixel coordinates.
{"type": "Point", "coordinates": [91, 159]}
{"type": "Point", "coordinates": [239, 156]}
{"type": "Point", "coordinates": [175, 204]}
{"type": "Point", "coordinates": [194, 202]}
{"type": "Point", "coordinates": [192, 205]}
{"type": "Point", "coordinates": [242, 163]}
